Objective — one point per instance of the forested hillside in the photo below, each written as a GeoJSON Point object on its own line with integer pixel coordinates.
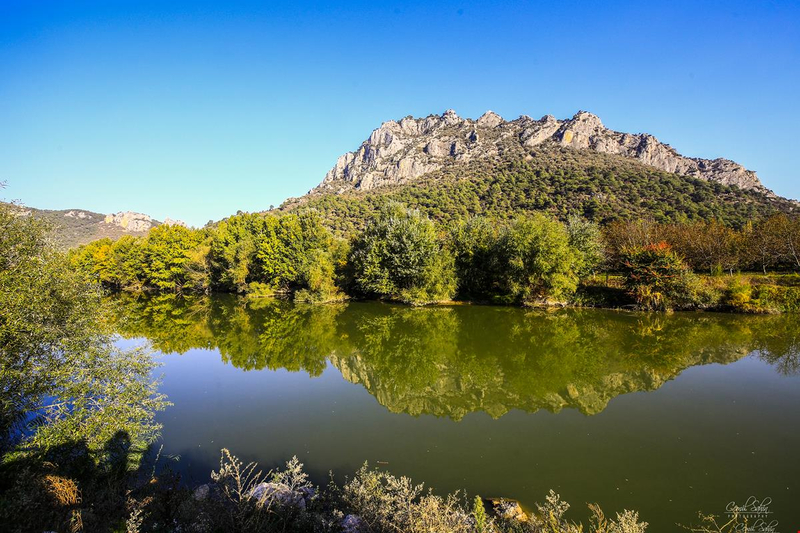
{"type": "Point", "coordinates": [559, 181]}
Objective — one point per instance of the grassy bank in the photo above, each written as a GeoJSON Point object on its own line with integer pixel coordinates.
{"type": "Point", "coordinates": [745, 292]}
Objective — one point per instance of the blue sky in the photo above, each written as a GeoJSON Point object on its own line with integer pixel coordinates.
{"type": "Point", "coordinates": [195, 110]}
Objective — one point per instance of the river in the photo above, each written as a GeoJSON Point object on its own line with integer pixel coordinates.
{"type": "Point", "coordinates": [665, 414]}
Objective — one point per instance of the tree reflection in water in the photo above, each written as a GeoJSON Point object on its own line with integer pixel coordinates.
{"type": "Point", "coordinates": [450, 361]}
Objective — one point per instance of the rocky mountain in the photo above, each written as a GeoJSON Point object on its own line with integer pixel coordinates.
{"type": "Point", "coordinates": [450, 168]}
{"type": "Point", "coordinates": [401, 151]}
{"type": "Point", "coordinates": [73, 227]}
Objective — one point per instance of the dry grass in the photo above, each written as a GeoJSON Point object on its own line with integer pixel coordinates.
{"type": "Point", "coordinates": [64, 490]}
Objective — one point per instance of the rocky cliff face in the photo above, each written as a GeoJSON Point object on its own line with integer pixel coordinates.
{"type": "Point", "coordinates": [400, 151]}
{"type": "Point", "coordinates": [130, 221]}
{"type": "Point", "coordinates": [138, 222]}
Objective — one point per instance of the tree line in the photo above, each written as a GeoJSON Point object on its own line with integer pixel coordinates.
{"type": "Point", "coordinates": [402, 255]}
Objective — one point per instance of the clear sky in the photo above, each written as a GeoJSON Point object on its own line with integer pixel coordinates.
{"type": "Point", "coordinates": [195, 110]}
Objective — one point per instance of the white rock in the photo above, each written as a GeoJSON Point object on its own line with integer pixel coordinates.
{"type": "Point", "coordinates": [353, 524]}
{"type": "Point", "coordinates": [279, 493]}
{"type": "Point", "coordinates": [201, 492]}
{"type": "Point", "coordinates": [397, 152]}
{"type": "Point", "coordinates": [137, 222]}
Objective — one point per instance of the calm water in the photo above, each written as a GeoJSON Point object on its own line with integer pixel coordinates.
{"type": "Point", "coordinates": [666, 414]}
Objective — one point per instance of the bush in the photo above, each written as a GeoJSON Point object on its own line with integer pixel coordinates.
{"type": "Point", "coordinates": [658, 278]}
{"type": "Point", "coordinates": [386, 503]}
{"type": "Point", "coordinates": [738, 295]}
{"type": "Point", "coordinates": [475, 244]}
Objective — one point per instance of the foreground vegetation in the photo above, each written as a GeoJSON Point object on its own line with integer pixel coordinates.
{"type": "Point", "coordinates": [240, 498]}
{"type": "Point", "coordinates": [72, 405]}
{"type": "Point", "coordinates": [402, 255]}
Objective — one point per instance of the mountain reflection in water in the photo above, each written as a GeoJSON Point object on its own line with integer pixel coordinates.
{"type": "Point", "coordinates": [450, 361]}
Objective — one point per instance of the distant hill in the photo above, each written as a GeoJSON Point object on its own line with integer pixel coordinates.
{"type": "Point", "coordinates": [451, 167]}
{"type": "Point", "coordinates": [72, 227]}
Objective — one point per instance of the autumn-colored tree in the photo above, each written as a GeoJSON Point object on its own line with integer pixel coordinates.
{"type": "Point", "coordinates": [657, 277]}
{"type": "Point", "coordinates": [619, 236]}
{"type": "Point", "coordinates": [706, 246]}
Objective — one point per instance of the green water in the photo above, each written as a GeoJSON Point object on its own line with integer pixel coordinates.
{"type": "Point", "coordinates": [665, 414]}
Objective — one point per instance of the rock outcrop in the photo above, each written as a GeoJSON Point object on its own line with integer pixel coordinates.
{"type": "Point", "coordinates": [130, 221]}
{"type": "Point", "coordinates": [172, 222]}
{"type": "Point", "coordinates": [79, 214]}
{"type": "Point", "coordinates": [400, 151]}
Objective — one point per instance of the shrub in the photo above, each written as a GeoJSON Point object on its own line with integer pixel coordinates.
{"type": "Point", "coordinates": [738, 295]}
{"type": "Point", "coordinates": [658, 278]}
{"type": "Point", "coordinates": [475, 249]}
{"type": "Point", "coordinates": [386, 503]}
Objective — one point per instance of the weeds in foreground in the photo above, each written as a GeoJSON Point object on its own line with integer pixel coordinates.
{"type": "Point", "coordinates": [734, 523]}
{"type": "Point", "coordinates": [243, 498]}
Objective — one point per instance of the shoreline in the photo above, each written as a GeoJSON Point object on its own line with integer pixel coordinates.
{"type": "Point", "coordinates": [778, 298]}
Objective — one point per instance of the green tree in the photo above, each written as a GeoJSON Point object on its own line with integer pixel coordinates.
{"type": "Point", "coordinates": [231, 252]}
{"type": "Point", "coordinates": [586, 240]}
{"type": "Point", "coordinates": [400, 256]}
{"type": "Point", "coordinates": [475, 244]}
{"type": "Point", "coordinates": [96, 259]}
{"type": "Point", "coordinates": [537, 262]}
{"type": "Point", "coordinates": [166, 254]}
{"type": "Point", "coordinates": [62, 378]}
{"type": "Point", "coordinates": [129, 262]}
{"type": "Point", "coordinates": [292, 253]}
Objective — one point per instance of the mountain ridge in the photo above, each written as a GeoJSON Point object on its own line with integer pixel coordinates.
{"type": "Point", "coordinates": [73, 227]}
{"type": "Point", "coordinates": [402, 151]}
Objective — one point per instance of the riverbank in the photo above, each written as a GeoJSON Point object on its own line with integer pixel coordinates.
{"type": "Point", "coordinates": [731, 293]}
{"type": "Point", "coordinates": [400, 255]}
{"type": "Point", "coordinates": [240, 497]}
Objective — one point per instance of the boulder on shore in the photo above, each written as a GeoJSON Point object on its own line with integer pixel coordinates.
{"type": "Point", "coordinates": [279, 493]}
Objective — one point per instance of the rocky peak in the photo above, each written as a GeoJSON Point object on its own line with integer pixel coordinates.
{"type": "Point", "coordinates": [580, 130]}
{"type": "Point", "coordinates": [170, 222]}
{"type": "Point", "coordinates": [397, 152]}
{"type": "Point", "coordinates": [490, 119]}
{"type": "Point", "coordinates": [450, 118]}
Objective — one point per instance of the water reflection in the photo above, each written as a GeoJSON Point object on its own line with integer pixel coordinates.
{"type": "Point", "coordinates": [450, 361]}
